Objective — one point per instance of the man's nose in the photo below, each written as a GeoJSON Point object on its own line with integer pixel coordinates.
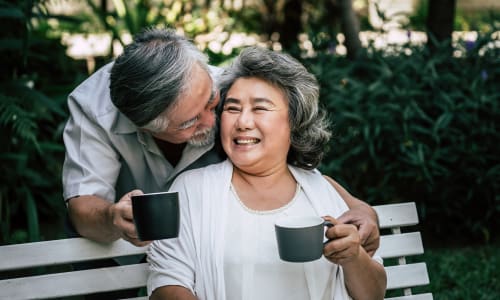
{"type": "Point", "coordinates": [208, 118]}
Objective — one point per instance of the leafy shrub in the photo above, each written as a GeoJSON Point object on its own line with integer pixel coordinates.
{"type": "Point", "coordinates": [464, 273]}
{"type": "Point", "coordinates": [36, 76]}
{"type": "Point", "coordinates": [419, 127]}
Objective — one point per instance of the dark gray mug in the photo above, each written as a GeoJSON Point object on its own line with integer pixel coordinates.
{"type": "Point", "coordinates": [156, 215]}
{"type": "Point", "coordinates": [300, 238]}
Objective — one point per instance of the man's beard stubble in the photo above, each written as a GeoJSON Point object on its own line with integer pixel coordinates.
{"type": "Point", "coordinates": [203, 137]}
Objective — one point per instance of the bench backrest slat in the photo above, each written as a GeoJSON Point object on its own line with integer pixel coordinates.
{"type": "Point", "coordinates": [74, 283]}
{"type": "Point", "coordinates": [397, 245]}
{"type": "Point", "coordinates": [403, 276]}
{"type": "Point", "coordinates": [397, 215]}
{"type": "Point", "coordinates": [57, 252]}
{"type": "Point", "coordinates": [426, 296]}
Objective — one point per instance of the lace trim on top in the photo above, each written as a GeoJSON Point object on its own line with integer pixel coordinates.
{"type": "Point", "coordinates": [266, 212]}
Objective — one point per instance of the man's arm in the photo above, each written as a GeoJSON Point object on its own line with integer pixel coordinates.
{"type": "Point", "coordinates": [102, 221]}
{"type": "Point", "coordinates": [362, 215]}
{"type": "Point", "coordinates": [92, 165]}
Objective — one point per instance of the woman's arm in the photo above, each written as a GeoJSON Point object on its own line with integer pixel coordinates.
{"type": "Point", "coordinates": [172, 292]}
{"type": "Point", "coordinates": [364, 277]}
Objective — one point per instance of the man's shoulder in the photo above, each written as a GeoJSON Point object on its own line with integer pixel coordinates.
{"type": "Point", "coordinates": [97, 82]}
{"type": "Point", "coordinates": [93, 95]}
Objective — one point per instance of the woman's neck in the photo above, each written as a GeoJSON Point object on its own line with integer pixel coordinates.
{"type": "Point", "coordinates": [264, 191]}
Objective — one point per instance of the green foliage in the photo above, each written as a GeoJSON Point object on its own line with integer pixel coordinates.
{"type": "Point", "coordinates": [464, 273]}
{"type": "Point", "coordinates": [132, 16]}
{"type": "Point", "coordinates": [31, 154]}
{"type": "Point", "coordinates": [419, 128]}
{"type": "Point", "coordinates": [458, 273]}
{"type": "Point", "coordinates": [36, 74]}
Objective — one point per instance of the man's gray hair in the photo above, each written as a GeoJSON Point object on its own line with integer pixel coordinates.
{"type": "Point", "coordinates": [149, 77]}
{"type": "Point", "coordinates": [309, 126]}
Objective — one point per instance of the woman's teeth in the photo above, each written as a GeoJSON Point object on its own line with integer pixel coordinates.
{"type": "Point", "coordinates": [246, 141]}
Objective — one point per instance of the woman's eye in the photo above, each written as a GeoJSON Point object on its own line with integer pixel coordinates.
{"type": "Point", "coordinates": [263, 108]}
{"type": "Point", "coordinates": [231, 109]}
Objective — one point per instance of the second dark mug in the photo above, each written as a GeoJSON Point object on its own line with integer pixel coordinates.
{"type": "Point", "coordinates": [301, 238]}
{"type": "Point", "coordinates": [156, 215]}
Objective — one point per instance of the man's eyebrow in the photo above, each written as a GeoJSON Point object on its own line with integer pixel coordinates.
{"type": "Point", "coordinates": [212, 96]}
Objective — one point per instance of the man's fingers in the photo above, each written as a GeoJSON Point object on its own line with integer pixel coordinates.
{"type": "Point", "coordinates": [344, 219]}
{"type": "Point", "coordinates": [371, 246]}
{"type": "Point", "coordinates": [128, 214]}
{"type": "Point", "coordinates": [132, 237]}
{"type": "Point", "coordinates": [330, 219]}
{"type": "Point", "coordinates": [364, 234]}
{"type": "Point", "coordinates": [127, 198]}
{"type": "Point", "coordinates": [368, 235]}
{"type": "Point", "coordinates": [135, 193]}
{"type": "Point", "coordinates": [137, 242]}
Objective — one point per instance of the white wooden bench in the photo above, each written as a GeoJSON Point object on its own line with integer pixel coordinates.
{"type": "Point", "coordinates": [400, 245]}
{"type": "Point", "coordinates": [71, 283]}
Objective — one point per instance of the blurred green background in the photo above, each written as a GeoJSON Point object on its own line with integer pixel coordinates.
{"type": "Point", "coordinates": [411, 86]}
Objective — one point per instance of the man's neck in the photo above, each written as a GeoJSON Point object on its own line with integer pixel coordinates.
{"type": "Point", "coordinates": [171, 152]}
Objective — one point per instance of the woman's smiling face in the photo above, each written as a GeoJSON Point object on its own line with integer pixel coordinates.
{"type": "Point", "coordinates": [255, 129]}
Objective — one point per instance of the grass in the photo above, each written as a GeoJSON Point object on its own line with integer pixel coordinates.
{"type": "Point", "coordinates": [471, 272]}
{"type": "Point", "coordinates": [465, 273]}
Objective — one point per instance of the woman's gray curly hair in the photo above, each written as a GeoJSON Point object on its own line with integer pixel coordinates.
{"type": "Point", "coordinates": [309, 127]}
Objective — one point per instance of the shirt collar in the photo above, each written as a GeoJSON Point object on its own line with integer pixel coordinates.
{"type": "Point", "coordinates": [123, 125]}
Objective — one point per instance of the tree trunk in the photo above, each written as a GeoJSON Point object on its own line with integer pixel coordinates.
{"type": "Point", "coordinates": [440, 18]}
{"type": "Point", "coordinates": [269, 17]}
{"type": "Point", "coordinates": [292, 23]}
{"type": "Point", "coordinates": [349, 25]}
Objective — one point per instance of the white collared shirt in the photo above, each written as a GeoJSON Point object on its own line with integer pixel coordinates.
{"type": "Point", "coordinates": [107, 156]}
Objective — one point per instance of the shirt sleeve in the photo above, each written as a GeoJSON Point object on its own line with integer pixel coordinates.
{"type": "Point", "coordinates": [91, 165]}
{"type": "Point", "coordinates": [173, 261]}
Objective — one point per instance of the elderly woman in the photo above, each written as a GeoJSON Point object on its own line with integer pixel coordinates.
{"type": "Point", "coordinates": [274, 135]}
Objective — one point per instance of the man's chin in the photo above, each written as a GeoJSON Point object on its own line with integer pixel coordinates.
{"type": "Point", "coordinates": [202, 139]}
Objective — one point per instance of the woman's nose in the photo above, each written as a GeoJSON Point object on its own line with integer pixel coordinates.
{"type": "Point", "coordinates": [245, 120]}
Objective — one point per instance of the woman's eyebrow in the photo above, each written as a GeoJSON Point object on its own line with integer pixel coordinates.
{"type": "Point", "coordinates": [254, 101]}
{"type": "Point", "coordinates": [262, 100]}
{"type": "Point", "coordinates": [231, 101]}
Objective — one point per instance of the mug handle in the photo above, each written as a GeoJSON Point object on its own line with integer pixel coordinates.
{"type": "Point", "coordinates": [327, 224]}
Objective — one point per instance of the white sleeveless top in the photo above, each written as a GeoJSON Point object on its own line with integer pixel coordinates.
{"type": "Point", "coordinates": [252, 267]}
